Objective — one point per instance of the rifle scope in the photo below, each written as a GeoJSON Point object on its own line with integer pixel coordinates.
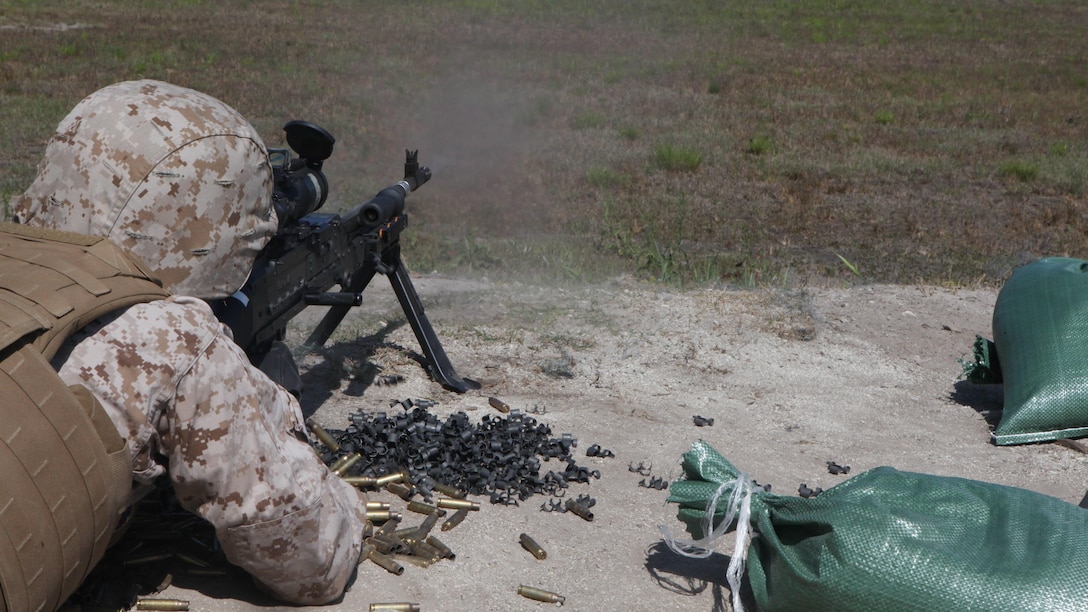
{"type": "Point", "coordinates": [300, 185]}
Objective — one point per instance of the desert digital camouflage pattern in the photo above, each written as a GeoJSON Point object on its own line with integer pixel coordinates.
{"type": "Point", "coordinates": [182, 181]}
{"type": "Point", "coordinates": [176, 384]}
{"type": "Point", "coordinates": [175, 176]}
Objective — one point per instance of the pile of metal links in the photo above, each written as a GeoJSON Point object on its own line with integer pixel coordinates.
{"type": "Point", "coordinates": [499, 457]}
{"type": "Point", "coordinates": [434, 464]}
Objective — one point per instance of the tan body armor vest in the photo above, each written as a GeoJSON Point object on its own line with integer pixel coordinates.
{"type": "Point", "coordinates": [65, 471]}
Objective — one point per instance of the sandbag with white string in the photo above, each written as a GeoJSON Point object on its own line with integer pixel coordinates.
{"type": "Point", "coordinates": [890, 540]}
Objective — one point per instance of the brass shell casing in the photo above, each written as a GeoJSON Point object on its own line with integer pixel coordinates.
{"type": "Point", "coordinates": [540, 595]}
{"type": "Point", "coordinates": [322, 435]}
{"type": "Point", "coordinates": [394, 607]}
{"type": "Point", "coordinates": [454, 519]}
{"type": "Point", "coordinates": [499, 405]}
{"type": "Point", "coordinates": [361, 481]}
{"type": "Point", "coordinates": [529, 544]}
{"type": "Point", "coordinates": [447, 552]}
{"type": "Point", "coordinates": [388, 478]}
{"type": "Point", "coordinates": [457, 504]}
{"type": "Point", "coordinates": [580, 509]}
{"type": "Point", "coordinates": [424, 508]}
{"type": "Point", "coordinates": [448, 491]}
{"type": "Point", "coordinates": [386, 562]}
{"type": "Point", "coordinates": [348, 461]}
{"type": "Point", "coordinates": [162, 604]}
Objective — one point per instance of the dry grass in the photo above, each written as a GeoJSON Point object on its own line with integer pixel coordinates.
{"type": "Point", "coordinates": [750, 143]}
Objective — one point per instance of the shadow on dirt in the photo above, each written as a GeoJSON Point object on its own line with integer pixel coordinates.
{"type": "Point", "coordinates": [987, 400]}
{"type": "Point", "coordinates": [351, 360]}
{"type": "Point", "coordinates": [688, 576]}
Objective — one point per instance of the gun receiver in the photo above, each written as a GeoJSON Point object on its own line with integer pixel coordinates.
{"type": "Point", "coordinates": [314, 252]}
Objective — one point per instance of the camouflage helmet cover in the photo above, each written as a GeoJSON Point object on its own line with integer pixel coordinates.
{"type": "Point", "coordinates": [175, 176]}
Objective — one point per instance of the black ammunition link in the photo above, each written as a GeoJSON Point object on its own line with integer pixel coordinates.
{"type": "Point", "coordinates": [501, 456]}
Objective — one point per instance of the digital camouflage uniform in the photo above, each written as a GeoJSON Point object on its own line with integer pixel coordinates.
{"type": "Point", "coordinates": [182, 181]}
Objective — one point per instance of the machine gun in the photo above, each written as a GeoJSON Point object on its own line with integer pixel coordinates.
{"type": "Point", "coordinates": [314, 252]}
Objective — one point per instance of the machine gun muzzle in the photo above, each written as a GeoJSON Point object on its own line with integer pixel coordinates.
{"type": "Point", "coordinates": [390, 201]}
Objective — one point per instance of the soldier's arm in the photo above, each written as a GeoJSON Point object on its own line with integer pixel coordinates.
{"type": "Point", "coordinates": [238, 457]}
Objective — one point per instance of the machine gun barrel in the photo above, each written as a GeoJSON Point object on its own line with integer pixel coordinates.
{"type": "Point", "coordinates": [389, 202]}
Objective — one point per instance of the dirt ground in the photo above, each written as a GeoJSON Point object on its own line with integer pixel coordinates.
{"type": "Point", "coordinates": [863, 376]}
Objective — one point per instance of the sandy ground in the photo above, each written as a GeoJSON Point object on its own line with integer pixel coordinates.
{"type": "Point", "coordinates": [863, 376]}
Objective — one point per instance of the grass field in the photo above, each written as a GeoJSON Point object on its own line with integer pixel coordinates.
{"type": "Point", "coordinates": [770, 142]}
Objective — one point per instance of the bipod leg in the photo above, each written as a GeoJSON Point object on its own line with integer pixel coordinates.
{"type": "Point", "coordinates": [441, 368]}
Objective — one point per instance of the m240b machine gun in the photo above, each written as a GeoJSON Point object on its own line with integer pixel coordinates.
{"type": "Point", "coordinates": [314, 252]}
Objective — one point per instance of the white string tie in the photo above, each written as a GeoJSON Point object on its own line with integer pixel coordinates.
{"type": "Point", "coordinates": [740, 501]}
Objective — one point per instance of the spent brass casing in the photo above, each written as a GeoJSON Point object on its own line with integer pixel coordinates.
{"type": "Point", "coordinates": [324, 436]}
{"type": "Point", "coordinates": [396, 543]}
{"type": "Point", "coordinates": [426, 551]}
{"type": "Point", "coordinates": [387, 563]}
{"type": "Point", "coordinates": [167, 580]}
{"type": "Point", "coordinates": [425, 508]}
{"type": "Point", "coordinates": [394, 607]}
{"type": "Point", "coordinates": [365, 551]}
{"type": "Point", "coordinates": [457, 504]}
{"type": "Point", "coordinates": [335, 465]}
{"type": "Point", "coordinates": [191, 560]}
{"type": "Point", "coordinates": [580, 509]}
{"type": "Point", "coordinates": [372, 506]}
{"type": "Point", "coordinates": [385, 545]}
{"type": "Point", "coordinates": [399, 490]}
{"type": "Point", "coordinates": [351, 460]}
{"type": "Point", "coordinates": [388, 478]}
{"type": "Point", "coordinates": [413, 560]}
{"type": "Point", "coordinates": [147, 559]}
{"type": "Point", "coordinates": [428, 523]}
{"type": "Point", "coordinates": [409, 536]}
{"type": "Point", "coordinates": [454, 519]}
{"type": "Point", "coordinates": [438, 545]}
{"type": "Point", "coordinates": [162, 604]}
{"type": "Point", "coordinates": [529, 544]}
{"type": "Point", "coordinates": [387, 528]}
{"type": "Point", "coordinates": [540, 595]}
{"type": "Point", "coordinates": [361, 481]}
{"type": "Point", "coordinates": [382, 516]}
{"type": "Point", "coordinates": [448, 491]}
{"type": "Point", "coordinates": [498, 404]}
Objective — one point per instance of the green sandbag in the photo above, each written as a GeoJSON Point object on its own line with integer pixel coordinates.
{"type": "Point", "coordinates": [892, 540]}
{"type": "Point", "coordinates": [1040, 327]}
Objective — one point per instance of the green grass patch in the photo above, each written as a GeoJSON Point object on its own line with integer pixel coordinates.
{"type": "Point", "coordinates": [606, 178]}
{"type": "Point", "coordinates": [759, 145]}
{"type": "Point", "coordinates": [1023, 171]}
{"type": "Point", "coordinates": [572, 139]}
{"type": "Point", "coordinates": [1058, 149]}
{"type": "Point", "coordinates": [673, 158]}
